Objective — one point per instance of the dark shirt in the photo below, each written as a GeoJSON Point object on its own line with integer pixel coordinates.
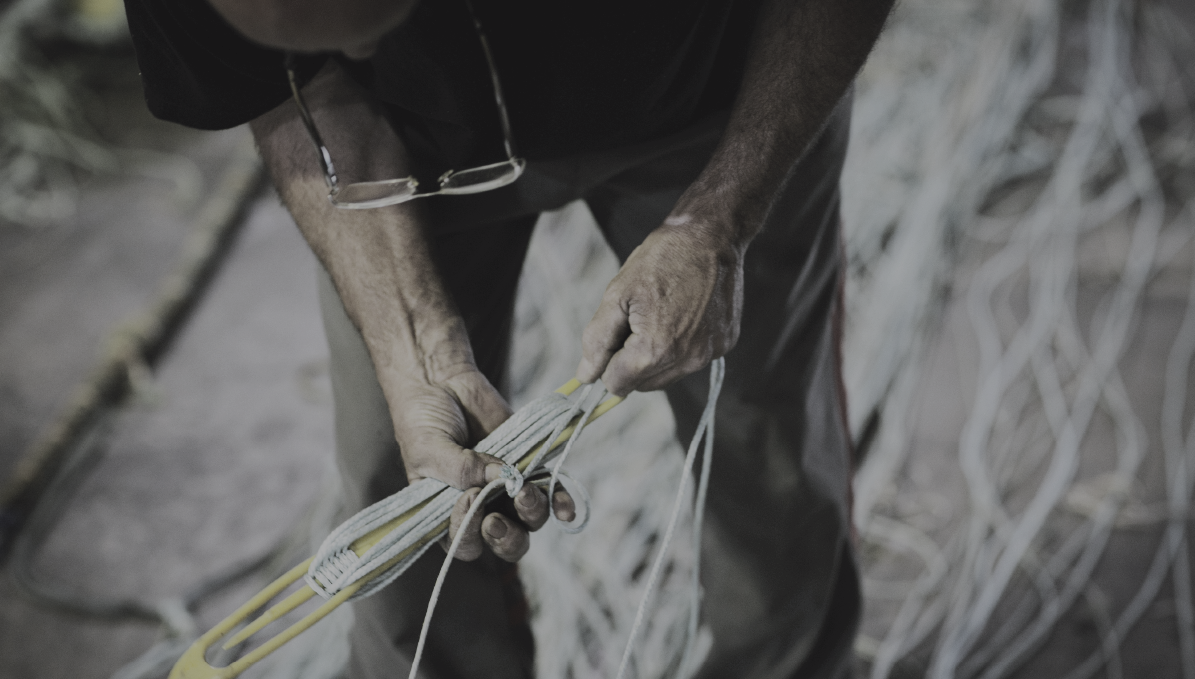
{"type": "Point", "coordinates": [578, 76]}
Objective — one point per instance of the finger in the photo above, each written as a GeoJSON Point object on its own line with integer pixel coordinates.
{"type": "Point", "coordinates": [471, 543]}
{"type": "Point", "coordinates": [563, 506]}
{"type": "Point", "coordinates": [483, 405]}
{"type": "Point", "coordinates": [439, 457]}
{"type": "Point", "coordinates": [632, 365]}
{"type": "Point", "coordinates": [531, 504]}
{"type": "Point", "coordinates": [508, 540]}
{"type": "Point", "coordinates": [602, 338]}
{"type": "Point", "coordinates": [671, 374]}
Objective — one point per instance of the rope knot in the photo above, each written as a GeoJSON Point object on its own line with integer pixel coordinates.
{"type": "Point", "coordinates": [513, 478]}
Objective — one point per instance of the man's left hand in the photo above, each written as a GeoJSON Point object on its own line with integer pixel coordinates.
{"type": "Point", "coordinates": [674, 306]}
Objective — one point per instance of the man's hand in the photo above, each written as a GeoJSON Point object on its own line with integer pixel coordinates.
{"type": "Point", "coordinates": [673, 307]}
{"type": "Point", "coordinates": [434, 423]}
{"type": "Point", "coordinates": [381, 263]}
{"type": "Point", "coordinates": [676, 303]}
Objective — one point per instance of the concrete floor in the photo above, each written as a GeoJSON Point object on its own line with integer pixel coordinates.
{"type": "Point", "coordinates": [232, 440]}
{"type": "Point", "coordinates": [223, 456]}
{"type": "Point", "coordinates": [220, 457]}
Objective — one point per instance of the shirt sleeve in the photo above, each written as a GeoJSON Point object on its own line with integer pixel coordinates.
{"type": "Point", "coordinates": [200, 72]}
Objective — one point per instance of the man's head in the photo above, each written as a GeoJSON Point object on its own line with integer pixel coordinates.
{"type": "Point", "coordinates": [350, 26]}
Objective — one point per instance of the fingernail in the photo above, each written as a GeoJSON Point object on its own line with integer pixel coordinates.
{"type": "Point", "coordinates": [492, 471]}
{"type": "Point", "coordinates": [563, 507]}
{"type": "Point", "coordinates": [496, 528]}
{"type": "Point", "coordinates": [525, 500]}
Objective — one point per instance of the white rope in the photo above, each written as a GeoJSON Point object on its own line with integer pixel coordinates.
{"type": "Point", "coordinates": [336, 566]}
{"type": "Point", "coordinates": [1010, 570]}
{"type": "Point", "coordinates": [705, 429]}
{"type": "Point", "coordinates": [479, 501]}
{"type": "Point", "coordinates": [703, 484]}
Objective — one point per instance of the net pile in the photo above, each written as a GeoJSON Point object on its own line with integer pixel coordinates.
{"type": "Point", "coordinates": [47, 142]}
{"type": "Point", "coordinates": [1065, 158]}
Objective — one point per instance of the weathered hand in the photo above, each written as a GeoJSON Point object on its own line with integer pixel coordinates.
{"type": "Point", "coordinates": [673, 307]}
{"type": "Point", "coordinates": [434, 423]}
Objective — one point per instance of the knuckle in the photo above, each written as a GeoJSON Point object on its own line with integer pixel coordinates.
{"type": "Point", "coordinates": [535, 518]}
{"type": "Point", "coordinates": [726, 343]}
{"type": "Point", "coordinates": [614, 291]}
{"type": "Point", "coordinates": [515, 547]}
{"type": "Point", "coordinates": [468, 551]}
{"type": "Point", "coordinates": [695, 362]}
{"type": "Point", "coordinates": [642, 361]}
{"type": "Point", "coordinates": [462, 505]}
{"type": "Point", "coordinates": [465, 472]}
{"type": "Point", "coordinates": [672, 353]}
{"type": "Point", "coordinates": [462, 478]}
{"type": "Point", "coordinates": [470, 545]}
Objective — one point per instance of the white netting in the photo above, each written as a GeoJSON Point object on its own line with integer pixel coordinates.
{"type": "Point", "coordinates": [1065, 191]}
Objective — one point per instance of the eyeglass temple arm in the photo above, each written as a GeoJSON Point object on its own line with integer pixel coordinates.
{"type": "Point", "coordinates": [325, 158]}
{"type": "Point", "coordinates": [507, 136]}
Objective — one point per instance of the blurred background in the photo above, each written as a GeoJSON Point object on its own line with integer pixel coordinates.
{"type": "Point", "coordinates": [1021, 326]}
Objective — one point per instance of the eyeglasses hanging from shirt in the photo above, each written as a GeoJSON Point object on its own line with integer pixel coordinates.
{"type": "Point", "coordinates": [380, 193]}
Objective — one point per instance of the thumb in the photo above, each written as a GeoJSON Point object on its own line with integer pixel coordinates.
{"type": "Point", "coordinates": [482, 404]}
{"type": "Point", "coordinates": [603, 337]}
{"type": "Point", "coordinates": [437, 456]}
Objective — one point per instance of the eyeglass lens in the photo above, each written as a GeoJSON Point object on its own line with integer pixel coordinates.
{"type": "Point", "coordinates": [484, 178]}
{"type": "Point", "coordinates": [362, 195]}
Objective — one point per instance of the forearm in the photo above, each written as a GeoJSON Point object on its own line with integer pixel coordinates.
{"type": "Point", "coordinates": [379, 259]}
{"type": "Point", "coordinates": [804, 55]}
{"type": "Point", "coordinates": [677, 301]}
{"type": "Point", "coordinates": [381, 263]}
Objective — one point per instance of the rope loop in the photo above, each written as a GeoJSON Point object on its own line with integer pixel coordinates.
{"type": "Point", "coordinates": [513, 479]}
{"type": "Point", "coordinates": [532, 433]}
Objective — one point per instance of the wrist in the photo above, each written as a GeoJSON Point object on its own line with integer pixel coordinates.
{"type": "Point", "coordinates": [417, 343]}
{"type": "Point", "coordinates": [731, 197]}
{"type": "Point", "coordinates": [427, 356]}
{"type": "Point", "coordinates": [709, 218]}
{"type": "Point", "coordinates": [717, 235]}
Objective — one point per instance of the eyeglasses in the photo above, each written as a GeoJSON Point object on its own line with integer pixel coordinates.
{"type": "Point", "coordinates": [364, 195]}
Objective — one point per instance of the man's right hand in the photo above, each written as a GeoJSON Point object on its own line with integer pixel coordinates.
{"type": "Point", "coordinates": [385, 274]}
{"type": "Point", "coordinates": [434, 424]}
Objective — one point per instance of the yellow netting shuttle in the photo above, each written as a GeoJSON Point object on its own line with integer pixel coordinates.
{"type": "Point", "coordinates": [394, 532]}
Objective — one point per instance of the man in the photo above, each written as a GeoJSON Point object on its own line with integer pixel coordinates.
{"type": "Point", "coordinates": [706, 136]}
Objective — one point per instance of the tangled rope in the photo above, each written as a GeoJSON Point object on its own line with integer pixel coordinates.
{"type": "Point", "coordinates": [1076, 167]}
